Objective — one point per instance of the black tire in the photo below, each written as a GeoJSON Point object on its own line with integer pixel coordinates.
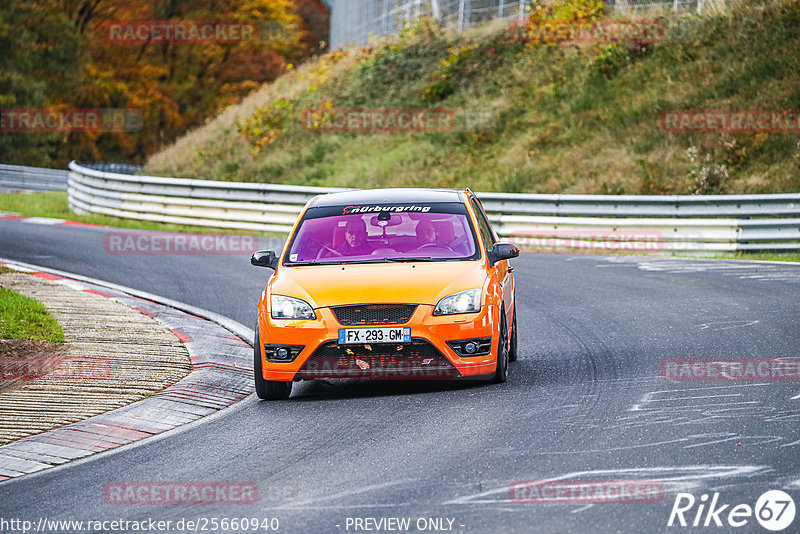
{"type": "Point", "coordinates": [501, 373]}
{"type": "Point", "coordinates": [512, 352]}
{"type": "Point", "coordinates": [267, 389]}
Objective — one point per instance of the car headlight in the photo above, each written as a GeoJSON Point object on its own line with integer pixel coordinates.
{"type": "Point", "coordinates": [464, 302]}
{"type": "Point", "coordinates": [283, 307]}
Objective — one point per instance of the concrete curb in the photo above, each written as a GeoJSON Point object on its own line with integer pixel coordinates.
{"type": "Point", "coordinates": [221, 375]}
{"type": "Point", "coordinates": [113, 355]}
{"type": "Point", "coordinates": [47, 221]}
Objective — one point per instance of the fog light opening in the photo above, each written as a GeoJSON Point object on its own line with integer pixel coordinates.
{"type": "Point", "coordinates": [282, 353]}
{"type": "Point", "coordinates": [480, 346]}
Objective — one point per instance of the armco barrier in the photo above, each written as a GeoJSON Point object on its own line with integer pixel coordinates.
{"type": "Point", "coordinates": [19, 178]}
{"type": "Point", "coordinates": [601, 223]}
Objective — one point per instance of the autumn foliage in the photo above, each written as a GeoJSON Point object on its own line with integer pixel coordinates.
{"type": "Point", "coordinates": [57, 54]}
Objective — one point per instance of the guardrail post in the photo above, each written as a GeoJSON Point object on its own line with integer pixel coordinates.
{"type": "Point", "coordinates": [437, 14]}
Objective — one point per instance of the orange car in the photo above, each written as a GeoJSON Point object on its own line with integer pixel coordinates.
{"type": "Point", "coordinates": [386, 284]}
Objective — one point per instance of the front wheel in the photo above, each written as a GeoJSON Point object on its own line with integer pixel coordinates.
{"type": "Point", "coordinates": [501, 374]}
{"type": "Point", "coordinates": [267, 389]}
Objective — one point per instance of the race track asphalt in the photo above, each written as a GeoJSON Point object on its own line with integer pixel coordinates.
{"type": "Point", "coordinates": [585, 402]}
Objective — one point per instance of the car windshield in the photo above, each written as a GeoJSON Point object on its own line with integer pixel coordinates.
{"type": "Point", "coordinates": [386, 233]}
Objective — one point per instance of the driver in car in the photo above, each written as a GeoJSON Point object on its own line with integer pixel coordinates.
{"type": "Point", "coordinates": [355, 238]}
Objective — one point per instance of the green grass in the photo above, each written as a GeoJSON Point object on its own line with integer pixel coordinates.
{"type": "Point", "coordinates": [762, 256]}
{"type": "Point", "coordinates": [54, 205]}
{"type": "Point", "coordinates": [530, 118]}
{"type": "Point", "coordinates": [24, 318]}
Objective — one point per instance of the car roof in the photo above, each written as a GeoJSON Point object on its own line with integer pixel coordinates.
{"type": "Point", "coordinates": [388, 196]}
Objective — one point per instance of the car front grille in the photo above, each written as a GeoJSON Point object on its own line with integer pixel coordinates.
{"type": "Point", "coordinates": [418, 360]}
{"type": "Point", "coordinates": [372, 314]}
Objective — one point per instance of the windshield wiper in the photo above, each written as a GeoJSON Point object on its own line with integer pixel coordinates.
{"type": "Point", "coordinates": [355, 262]}
{"type": "Point", "coordinates": [313, 262]}
{"type": "Point", "coordinates": [411, 258]}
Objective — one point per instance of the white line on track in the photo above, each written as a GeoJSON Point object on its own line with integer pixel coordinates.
{"type": "Point", "coordinates": [345, 493]}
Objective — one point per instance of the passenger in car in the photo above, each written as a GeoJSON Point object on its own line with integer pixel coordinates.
{"type": "Point", "coordinates": [426, 233]}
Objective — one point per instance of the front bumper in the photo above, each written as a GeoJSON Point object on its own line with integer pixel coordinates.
{"type": "Point", "coordinates": [427, 357]}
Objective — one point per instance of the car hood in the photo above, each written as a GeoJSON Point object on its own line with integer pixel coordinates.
{"type": "Point", "coordinates": [415, 283]}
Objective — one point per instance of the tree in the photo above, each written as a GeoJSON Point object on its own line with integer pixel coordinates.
{"type": "Point", "coordinates": [61, 55]}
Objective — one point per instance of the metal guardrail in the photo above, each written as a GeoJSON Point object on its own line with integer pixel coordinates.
{"type": "Point", "coordinates": [598, 223]}
{"type": "Point", "coordinates": [19, 178]}
{"type": "Point", "coordinates": [236, 205]}
{"type": "Point", "coordinates": [120, 168]}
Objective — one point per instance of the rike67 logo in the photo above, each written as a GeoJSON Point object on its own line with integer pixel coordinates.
{"type": "Point", "coordinates": [774, 510]}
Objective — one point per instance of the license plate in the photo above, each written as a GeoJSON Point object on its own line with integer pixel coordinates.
{"type": "Point", "coordinates": [401, 334]}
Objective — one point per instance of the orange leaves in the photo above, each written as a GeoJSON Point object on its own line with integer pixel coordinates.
{"type": "Point", "coordinates": [559, 21]}
{"type": "Point", "coordinates": [176, 85]}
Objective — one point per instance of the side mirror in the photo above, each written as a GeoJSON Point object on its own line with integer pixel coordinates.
{"type": "Point", "coordinates": [264, 258]}
{"type": "Point", "coordinates": [503, 251]}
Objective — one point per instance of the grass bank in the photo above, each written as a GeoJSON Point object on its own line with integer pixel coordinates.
{"type": "Point", "coordinates": [532, 114]}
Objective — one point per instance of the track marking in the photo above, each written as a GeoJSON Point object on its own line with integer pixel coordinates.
{"type": "Point", "coordinates": [758, 271]}
{"type": "Point", "coordinates": [649, 398]}
{"type": "Point", "coordinates": [345, 493]}
{"type": "Point", "coordinates": [732, 324]}
{"type": "Point", "coordinates": [582, 508]}
{"type": "Point", "coordinates": [673, 478]}
{"type": "Point", "coordinates": [737, 437]}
